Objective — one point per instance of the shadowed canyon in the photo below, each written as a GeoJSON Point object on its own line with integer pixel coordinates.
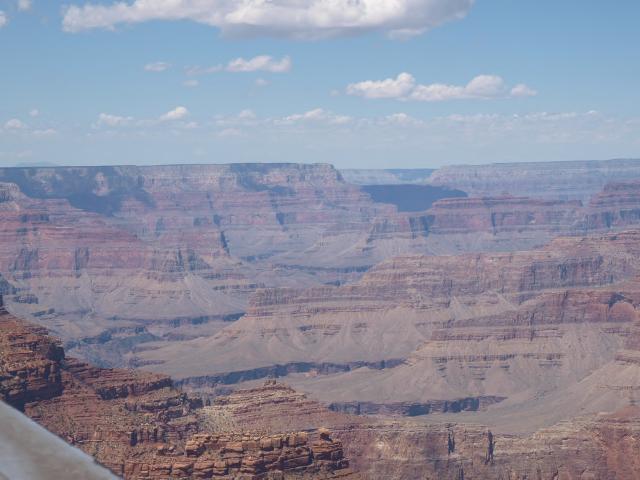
{"type": "Point", "coordinates": [271, 321]}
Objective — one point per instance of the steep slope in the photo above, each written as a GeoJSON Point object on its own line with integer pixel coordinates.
{"type": "Point", "coordinates": [138, 425]}
{"type": "Point", "coordinates": [401, 302]}
{"type": "Point", "coordinates": [141, 427]}
{"type": "Point", "coordinates": [600, 446]}
{"type": "Point", "coordinates": [112, 256]}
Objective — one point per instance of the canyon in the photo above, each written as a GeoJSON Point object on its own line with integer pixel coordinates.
{"type": "Point", "coordinates": [113, 258]}
{"type": "Point", "coordinates": [142, 427]}
{"type": "Point", "coordinates": [467, 322]}
{"type": "Point", "coordinates": [138, 425]}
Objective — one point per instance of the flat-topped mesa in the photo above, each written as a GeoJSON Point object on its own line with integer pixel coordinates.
{"type": "Point", "coordinates": [270, 408]}
{"type": "Point", "coordinates": [570, 180]}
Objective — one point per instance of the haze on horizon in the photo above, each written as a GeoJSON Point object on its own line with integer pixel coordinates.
{"type": "Point", "coordinates": [368, 85]}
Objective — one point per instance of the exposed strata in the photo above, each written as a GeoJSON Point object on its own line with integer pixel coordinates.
{"type": "Point", "coordinates": [400, 303]}
{"type": "Point", "coordinates": [574, 180]}
{"type": "Point", "coordinates": [109, 257]}
{"type": "Point", "coordinates": [586, 447]}
{"type": "Point", "coordinates": [114, 259]}
{"type": "Point", "coordinates": [138, 425]}
{"type": "Point", "coordinates": [274, 432]}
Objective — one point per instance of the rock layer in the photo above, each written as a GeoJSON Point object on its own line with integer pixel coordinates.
{"type": "Point", "coordinates": [574, 180]}
{"type": "Point", "coordinates": [112, 258]}
{"type": "Point", "coordinates": [138, 425]}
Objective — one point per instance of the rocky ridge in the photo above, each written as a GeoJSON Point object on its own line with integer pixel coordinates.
{"type": "Point", "coordinates": [138, 425]}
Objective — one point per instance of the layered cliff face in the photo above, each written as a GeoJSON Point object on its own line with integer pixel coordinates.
{"type": "Point", "coordinates": [593, 446]}
{"type": "Point", "coordinates": [142, 428]}
{"type": "Point", "coordinates": [139, 426]}
{"type": "Point", "coordinates": [115, 259]}
{"type": "Point", "coordinates": [112, 257]}
{"type": "Point", "coordinates": [577, 180]}
{"type": "Point", "coordinates": [399, 304]}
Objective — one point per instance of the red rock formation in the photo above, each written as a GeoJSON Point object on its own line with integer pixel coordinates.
{"type": "Point", "coordinates": [138, 425]}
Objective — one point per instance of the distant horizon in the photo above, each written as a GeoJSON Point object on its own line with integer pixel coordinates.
{"type": "Point", "coordinates": [519, 163]}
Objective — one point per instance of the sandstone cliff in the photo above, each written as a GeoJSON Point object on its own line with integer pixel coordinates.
{"type": "Point", "coordinates": [138, 425]}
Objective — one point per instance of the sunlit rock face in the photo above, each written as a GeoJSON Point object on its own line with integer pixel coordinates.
{"type": "Point", "coordinates": [140, 427]}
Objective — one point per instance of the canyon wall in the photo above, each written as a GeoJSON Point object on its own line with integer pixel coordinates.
{"type": "Point", "coordinates": [573, 180]}
{"type": "Point", "coordinates": [139, 426]}
{"type": "Point", "coordinates": [114, 259]}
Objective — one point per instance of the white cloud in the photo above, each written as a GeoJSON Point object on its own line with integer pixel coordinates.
{"type": "Point", "coordinates": [157, 66]}
{"type": "Point", "coordinates": [245, 118]}
{"type": "Point", "coordinates": [247, 115]}
{"type": "Point", "coordinates": [310, 19]}
{"type": "Point", "coordinates": [260, 63]}
{"type": "Point", "coordinates": [402, 119]}
{"type": "Point", "coordinates": [261, 82]}
{"type": "Point", "coordinates": [521, 90]}
{"type": "Point", "coordinates": [15, 124]}
{"type": "Point", "coordinates": [397, 87]}
{"type": "Point", "coordinates": [3, 19]}
{"type": "Point", "coordinates": [191, 83]}
{"type": "Point", "coordinates": [404, 87]}
{"type": "Point", "coordinates": [177, 113]}
{"type": "Point", "coordinates": [47, 132]}
{"type": "Point", "coordinates": [315, 115]}
{"type": "Point", "coordinates": [106, 119]}
{"type": "Point", "coordinates": [24, 5]}
{"type": "Point", "coordinates": [34, 112]}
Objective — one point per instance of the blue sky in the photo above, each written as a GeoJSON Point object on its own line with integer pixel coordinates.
{"type": "Point", "coordinates": [359, 83]}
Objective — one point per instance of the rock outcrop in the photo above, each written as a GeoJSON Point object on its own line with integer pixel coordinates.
{"type": "Point", "coordinates": [138, 425]}
{"type": "Point", "coordinates": [594, 446]}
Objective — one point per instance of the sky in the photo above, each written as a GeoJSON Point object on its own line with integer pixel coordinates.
{"type": "Point", "coordinates": [355, 83]}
